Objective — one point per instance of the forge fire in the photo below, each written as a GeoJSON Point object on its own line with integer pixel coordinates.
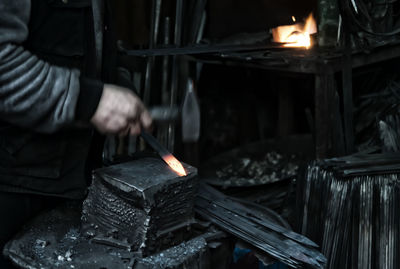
{"type": "Point", "coordinates": [297, 35]}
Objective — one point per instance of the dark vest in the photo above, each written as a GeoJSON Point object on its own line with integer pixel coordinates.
{"type": "Point", "coordinates": [60, 32]}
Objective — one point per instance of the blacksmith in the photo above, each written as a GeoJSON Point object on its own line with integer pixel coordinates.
{"type": "Point", "coordinates": [57, 81]}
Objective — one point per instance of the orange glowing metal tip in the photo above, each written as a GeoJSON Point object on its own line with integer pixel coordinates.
{"type": "Point", "coordinates": [172, 162]}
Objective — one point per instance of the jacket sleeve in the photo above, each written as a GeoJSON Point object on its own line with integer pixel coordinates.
{"type": "Point", "coordinates": [33, 93]}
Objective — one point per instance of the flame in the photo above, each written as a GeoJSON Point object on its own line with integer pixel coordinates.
{"type": "Point", "coordinates": [175, 165]}
{"type": "Point", "coordinates": [296, 35]}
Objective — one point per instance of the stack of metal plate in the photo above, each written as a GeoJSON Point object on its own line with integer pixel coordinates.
{"type": "Point", "coordinates": [349, 206]}
{"type": "Point", "coordinates": [142, 205]}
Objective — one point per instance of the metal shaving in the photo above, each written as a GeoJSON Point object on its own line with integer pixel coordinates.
{"type": "Point", "coordinates": [246, 171]}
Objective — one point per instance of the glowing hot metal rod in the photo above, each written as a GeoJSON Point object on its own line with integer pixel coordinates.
{"type": "Point", "coordinates": [172, 162]}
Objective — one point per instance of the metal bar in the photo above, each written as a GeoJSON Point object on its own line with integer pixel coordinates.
{"type": "Point", "coordinates": [155, 18]}
{"type": "Point", "coordinates": [175, 70]}
{"type": "Point", "coordinates": [165, 64]}
{"type": "Point", "coordinates": [178, 22]}
{"type": "Point", "coordinates": [202, 26]}
{"type": "Point", "coordinates": [157, 13]}
{"type": "Point", "coordinates": [347, 80]}
{"type": "Point", "coordinates": [154, 144]}
{"type": "Point", "coordinates": [162, 130]}
{"type": "Point", "coordinates": [338, 138]}
{"type": "Point", "coordinates": [198, 49]}
{"type": "Point", "coordinates": [306, 62]}
{"type": "Point", "coordinates": [323, 90]}
{"type": "Point", "coordinates": [196, 20]}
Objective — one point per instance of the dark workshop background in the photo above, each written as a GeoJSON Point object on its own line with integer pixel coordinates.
{"type": "Point", "coordinates": [241, 104]}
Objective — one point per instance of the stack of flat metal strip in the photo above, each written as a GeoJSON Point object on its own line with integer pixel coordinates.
{"type": "Point", "coordinates": [142, 205]}
{"type": "Point", "coordinates": [276, 241]}
{"type": "Point", "coordinates": [349, 206]}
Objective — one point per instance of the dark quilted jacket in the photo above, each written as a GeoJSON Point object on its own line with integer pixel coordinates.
{"type": "Point", "coordinates": [48, 87]}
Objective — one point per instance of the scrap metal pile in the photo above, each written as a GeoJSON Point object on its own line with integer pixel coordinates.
{"type": "Point", "coordinates": [263, 172]}
{"type": "Point", "coordinates": [267, 236]}
{"type": "Point", "coordinates": [349, 206]}
{"type": "Point", "coordinates": [272, 167]}
{"type": "Point", "coordinates": [258, 163]}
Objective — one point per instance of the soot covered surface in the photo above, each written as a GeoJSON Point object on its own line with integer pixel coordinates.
{"type": "Point", "coordinates": [54, 240]}
{"type": "Point", "coordinates": [141, 205]}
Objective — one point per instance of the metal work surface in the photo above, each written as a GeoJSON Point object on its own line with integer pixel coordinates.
{"type": "Point", "coordinates": [141, 175]}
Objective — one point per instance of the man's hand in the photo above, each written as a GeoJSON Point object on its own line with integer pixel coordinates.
{"type": "Point", "coordinates": [121, 112]}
